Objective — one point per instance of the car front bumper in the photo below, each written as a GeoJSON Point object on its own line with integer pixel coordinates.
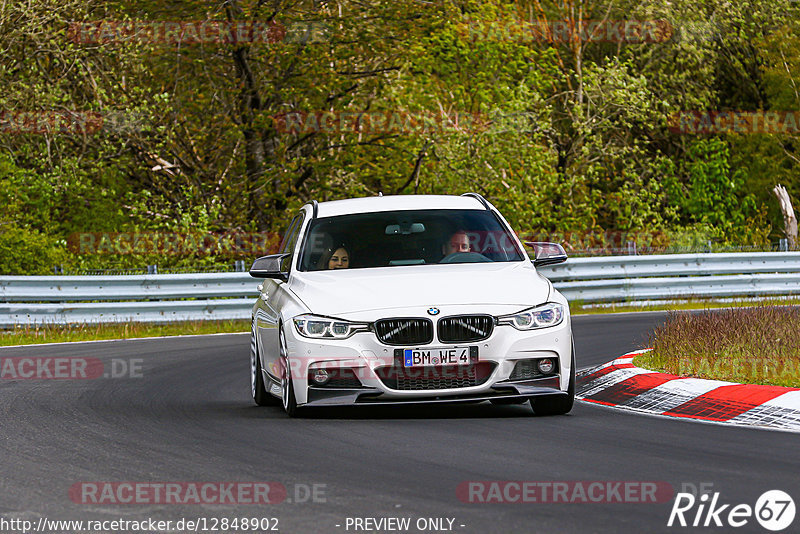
{"type": "Point", "coordinates": [366, 356]}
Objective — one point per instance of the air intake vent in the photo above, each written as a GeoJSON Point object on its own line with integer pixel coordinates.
{"type": "Point", "coordinates": [337, 378]}
{"type": "Point", "coordinates": [430, 378]}
{"type": "Point", "coordinates": [404, 331]}
{"type": "Point", "coordinates": [465, 328]}
{"type": "Point", "coordinates": [528, 369]}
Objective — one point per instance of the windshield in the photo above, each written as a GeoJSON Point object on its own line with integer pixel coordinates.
{"type": "Point", "coordinates": [397, 238]}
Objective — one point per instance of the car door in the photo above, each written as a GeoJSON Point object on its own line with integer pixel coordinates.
{"type": "Point", "coordinates": [270, 301]}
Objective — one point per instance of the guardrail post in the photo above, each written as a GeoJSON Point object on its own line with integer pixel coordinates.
{"type": "Point", "coordinates": [632, 248]}
{"type": "Point", "coordinates": [152, 269]}
{"type": "Point", "coordinates": [783, 245]}
{"type": "Point", "coordinates": [238, 266]}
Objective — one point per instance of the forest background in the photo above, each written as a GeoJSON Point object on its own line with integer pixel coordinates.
{"type": "Point", "coordinates": [591, 123]}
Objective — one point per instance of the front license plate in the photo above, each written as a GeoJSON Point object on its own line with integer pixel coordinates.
{"type": "Point", "coordinates": [439, 356]}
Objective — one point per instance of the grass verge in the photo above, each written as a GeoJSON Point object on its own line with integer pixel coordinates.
{"type": "Point", "coordinates": [55, 333]}
{"type": "Point", "coordinates": [577, 307]}
{"type": "Point", "coordinates": [757, 345]}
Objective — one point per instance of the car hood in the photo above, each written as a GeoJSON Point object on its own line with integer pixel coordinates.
{"type": "Point", "coordinates": [337, 293]}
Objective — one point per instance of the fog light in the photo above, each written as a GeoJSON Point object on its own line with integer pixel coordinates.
{"type": "Point", "coordinates": [320, 377]}
{"type": "Point", "coordinates": [546, 366]}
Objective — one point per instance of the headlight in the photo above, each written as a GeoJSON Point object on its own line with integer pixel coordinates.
{"type": "Point", "coordinates": [550, 314]}
{"type": "Point", "coordinates": [314, 326]}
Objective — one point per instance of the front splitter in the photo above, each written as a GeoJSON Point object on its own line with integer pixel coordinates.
{"type": "Point", "coordinates": [510, 391]}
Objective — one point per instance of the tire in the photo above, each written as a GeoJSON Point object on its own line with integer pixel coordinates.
{"type": "Point", "coordinates": [557, 404]}
{"type": "Point", "coordinates": [288, 398]}
{"type": "Point", "coordinates": [261, 396]}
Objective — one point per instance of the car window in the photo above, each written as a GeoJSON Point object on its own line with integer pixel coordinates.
{"type": "Point", "coordinates": [400, 238]}
{"type": "Point", "coordinates": [289, 241]}
{"type": "Point", "coordinates": [288, 234]}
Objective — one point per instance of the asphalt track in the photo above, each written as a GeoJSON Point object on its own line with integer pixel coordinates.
{"type": "Point", "coordinates": [189, 418]}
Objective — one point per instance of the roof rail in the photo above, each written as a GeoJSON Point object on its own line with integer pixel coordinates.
{"type": "Point", "coordinates": [479, 198]}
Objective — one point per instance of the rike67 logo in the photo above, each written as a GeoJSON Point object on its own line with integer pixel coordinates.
{"type": "Point", "coordinates": [774, 510]}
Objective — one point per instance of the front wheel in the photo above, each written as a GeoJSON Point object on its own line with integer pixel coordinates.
{"type": "Point", "coordinates": [287, 384]}
{"type": "Point", "coordinates": [260, 394]}
{"type": "Point", "coordinates": [557, 404]}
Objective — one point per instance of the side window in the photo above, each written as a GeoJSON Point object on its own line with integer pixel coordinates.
{"type": "Point", "coordinates": [287, 237]}
{"type": "Point", "coordinates": [289, 241]}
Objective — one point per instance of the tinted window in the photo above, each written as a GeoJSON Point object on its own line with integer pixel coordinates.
{"type": "Point", "coordinates": [289, 241]}
{"type": "Point", "coordinates": [287, 236]}
{"type": "Point", "coordinates": [398, 238]}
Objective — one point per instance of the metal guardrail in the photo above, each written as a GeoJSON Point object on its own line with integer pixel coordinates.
{"type": "Point", "coordinates": [200, 296]}
{"type": "Point", "coordinates": [107, 312]}
{"type": "Point", "coordinates": [634, 278]}
{"type": "Point", "coordinates": [126, 287]}
{"type": "Point", "coordinates": [624, 290]}
{"type": "Point", "coordinates": [142, 298]}
{"type": "Point", "coordinates": [619, 267]}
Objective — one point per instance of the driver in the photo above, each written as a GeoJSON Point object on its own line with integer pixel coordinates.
{"type": "Point", "coordinates": [458, 242]}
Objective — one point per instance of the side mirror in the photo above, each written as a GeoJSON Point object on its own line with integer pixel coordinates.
{"type": "Point", "coordinates": [547, 253]}
{"type": "Point", "coordinates": [270, 267]}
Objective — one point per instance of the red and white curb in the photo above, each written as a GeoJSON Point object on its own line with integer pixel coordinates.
{"type": "Point", "coordinates": [621, 384]}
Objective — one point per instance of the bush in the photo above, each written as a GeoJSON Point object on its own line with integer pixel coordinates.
{"type": "Point", "coordinates": [27, 251]}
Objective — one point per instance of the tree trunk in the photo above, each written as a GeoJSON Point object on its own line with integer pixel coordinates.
{"type": "Point", "coordinates": [789, 218]}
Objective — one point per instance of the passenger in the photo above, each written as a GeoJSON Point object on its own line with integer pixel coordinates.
{"type": "Point", "coordinates": [338, 258]}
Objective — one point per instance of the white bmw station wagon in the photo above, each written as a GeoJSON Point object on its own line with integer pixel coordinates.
{"type": "Point", "coordinates": [409, 299]}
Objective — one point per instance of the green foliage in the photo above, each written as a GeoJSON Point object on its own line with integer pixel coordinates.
{"type": "Point", "coordinates": [566, 136]}
{"type": "Point", "coordinates": [26, 251]}
{"type": "Point", "coordinates": [712, 195]}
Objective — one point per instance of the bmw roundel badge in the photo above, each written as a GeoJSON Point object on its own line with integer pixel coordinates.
{"type": "Point", "coordinates": [433, 311]}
